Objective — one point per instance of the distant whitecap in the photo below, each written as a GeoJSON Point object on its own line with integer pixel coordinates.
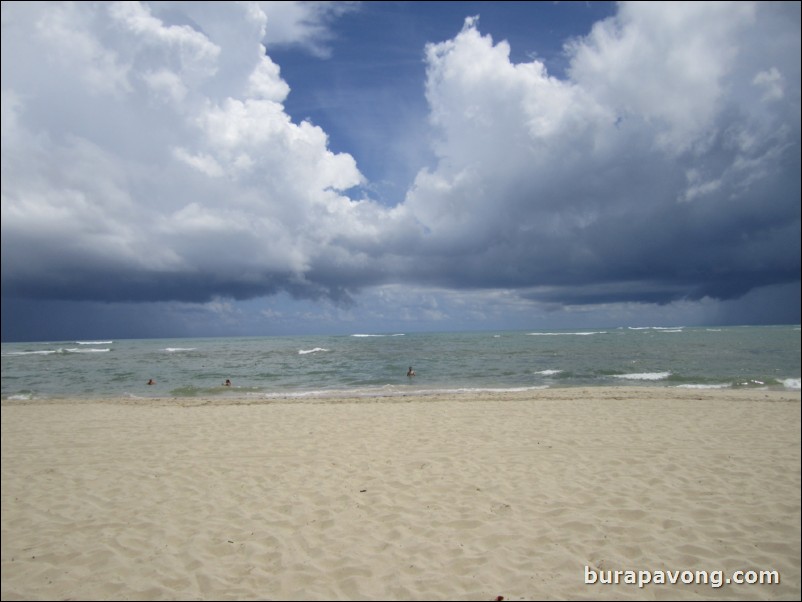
{"type": "Point", "coordinates": [363, 336]}
{"type": "Point", "coordinates": [77, 350]}
{"type": "Point", "coordinates": [307, 351]}
{"type": "Point", "coordinates": [560, 334]}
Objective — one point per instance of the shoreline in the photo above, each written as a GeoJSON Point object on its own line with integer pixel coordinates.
{"type": "Point", "coordinates": [603, 392]}
{"type": "Point", "coordinates": [455, 496]}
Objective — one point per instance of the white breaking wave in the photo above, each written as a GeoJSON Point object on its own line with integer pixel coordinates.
{"type": "Point", "coordinates": [306, 351]}
{"type": "Point", "coordinates": [76, 350]}
{"type": "Point", "coordinates": [548, 372]}
{"type": "Point", "coordinates": [644, 376]}
{"type": "Point", "coordinates": [388, 391]}
{"type": "Point", "coordinates": [791, 383]}
{"type": "Point", "coordinates": [94, 342]}
{"type": "Point", "coordinates": [377, 335]}
{"type": "Point", "coordinates": [56, 351]}
{"type": "Point", "coordinates": [721, 386]}
{"type": "Point", "coordinates": [175, 349]}
{"type": "Point", "coordinates": [562, 334]}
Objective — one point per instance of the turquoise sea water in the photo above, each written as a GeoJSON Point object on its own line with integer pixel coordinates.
{"type": "Point", "coordinates": [376, 364]}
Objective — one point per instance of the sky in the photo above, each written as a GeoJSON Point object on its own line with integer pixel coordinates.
{"type": "Point", "coordinates": [193, 169]}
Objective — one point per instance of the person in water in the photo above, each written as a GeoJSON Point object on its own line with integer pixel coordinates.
{"type": "Point", "coordinates": [410, 372]}
{"type": "Point", "coordinates": [227, 383]}
{"type": "Point", "coordinates": [151, 382]}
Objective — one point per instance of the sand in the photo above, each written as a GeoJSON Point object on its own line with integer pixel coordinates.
{"type": "Point", "coordinates": [466, 497]}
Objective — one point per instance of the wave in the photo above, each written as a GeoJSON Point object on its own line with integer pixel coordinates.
{"type": "Point", "coordinates": [548, 372]}
{"type": "Point", "coordinates": [644, 376]}
{"type": "Point", "coordinates": [307, 351]}
{"type": "Point", "coordinates": [55, 351]}
{"type": "Point", "coordinates": [559, 334]}
{"type": "Point", "coordinates": [177, 349]}
{"type": "Point", "coordinates": [669, 328]}
{"type": "Point", "coordinates": [377, 335]}
{"type": "Point", "coordinates": [718, 386]}
{"type": "Point", "coordinates": [387, 391]}
{"type": "Point", "coordinates": [76, 350]}
{"type": "Point", "coordinates": [214, 391]}
{"type": "Point", "coordinates": [791, 384]}
{"type": "Point", "coordinates": [94, 342]}
{"type": "Point", "coordinates": [483, 390]}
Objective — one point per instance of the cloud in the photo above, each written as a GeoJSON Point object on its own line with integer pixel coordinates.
{"type": "Point", "coordinates": [666, 65]}
{"type": "Point", "coordinates": [148, 157]}
{"type": "Point", "coordinates": [166, 186]}
{"type": "Point", "coordinates": [656, 172]}
{"type": "Point", "coordinates": [304, 24]}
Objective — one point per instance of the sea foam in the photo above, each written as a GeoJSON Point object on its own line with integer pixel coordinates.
{"type": "Point", "coordinates": [791, 383]}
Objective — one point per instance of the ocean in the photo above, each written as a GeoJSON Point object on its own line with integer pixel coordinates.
{"type": "Point", "coordinates": [375, 365]}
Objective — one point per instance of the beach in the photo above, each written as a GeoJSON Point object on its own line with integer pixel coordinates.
{"type": "Point", "coordinates": [528, 495]}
